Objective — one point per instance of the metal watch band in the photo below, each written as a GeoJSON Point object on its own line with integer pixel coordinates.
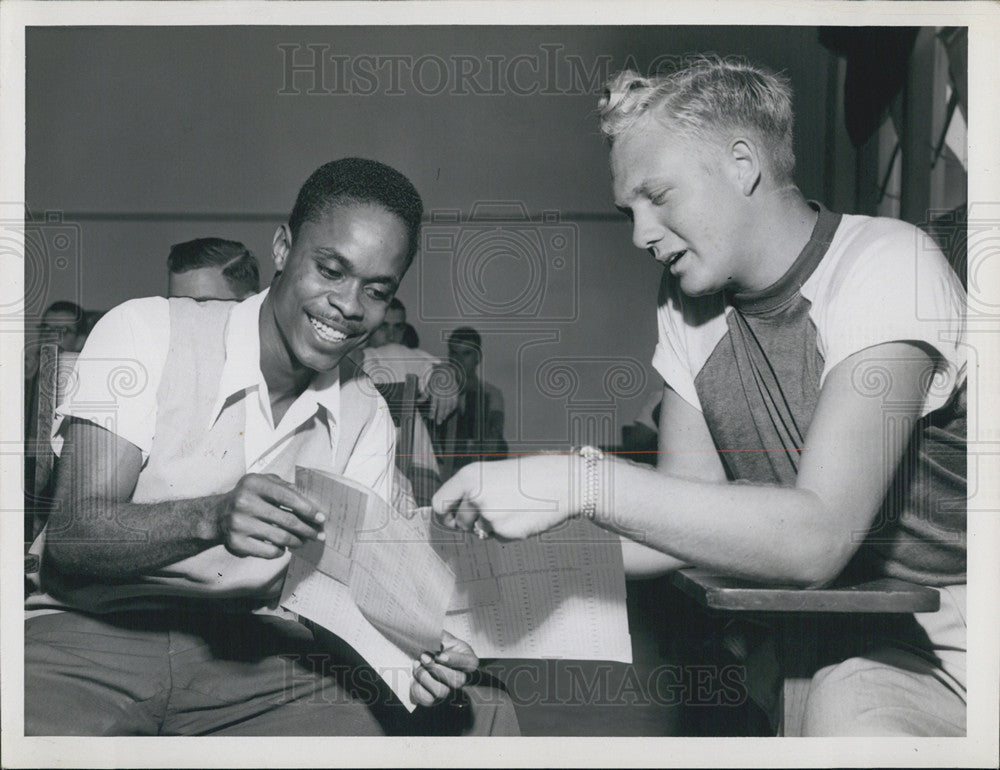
{"type": "Point", "coordinates": [592, 481]}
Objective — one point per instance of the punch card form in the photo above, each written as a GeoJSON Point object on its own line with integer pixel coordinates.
{"type": "Point", "coordinates": [560, 594]}
{"type": "Point", "coordinates": [374, 581]}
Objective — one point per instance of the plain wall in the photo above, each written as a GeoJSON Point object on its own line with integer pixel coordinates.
{"type": "Point", "coordinates": [138, 138]}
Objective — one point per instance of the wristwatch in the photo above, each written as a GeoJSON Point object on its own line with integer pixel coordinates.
{"type": "Point", "coordinates": [592, 482]}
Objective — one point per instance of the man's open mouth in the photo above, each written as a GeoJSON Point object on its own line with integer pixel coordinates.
{"type": "Point", "coordinates": [326, 332]}
{"type": "Point", "coordinates": [673, 258]}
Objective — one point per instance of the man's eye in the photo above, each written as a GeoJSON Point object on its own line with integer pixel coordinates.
{"type": "Point", "coordinates": [379, 295]}
{"type": "Point", "coordinates": [329, 272]}
{"type": "Point", "coordinates": [658, 199]}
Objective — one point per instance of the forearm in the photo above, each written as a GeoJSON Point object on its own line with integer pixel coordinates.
{"type": "Point", "coordinates": [776, 534]}
{"type": "Point", "coordinates": [643, 562]}
{"type": "Point", "coordinates": [108, 540]}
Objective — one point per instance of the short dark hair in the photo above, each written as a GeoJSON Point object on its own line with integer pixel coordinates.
{"type": "Point", "coordinates": [239, 265]}
{"type": "Point", "coordinates": [65, 306]}
{"type": "Point", "coordinates": [359, 181]}
{"type": "Point", "coordinates": [466, 336]}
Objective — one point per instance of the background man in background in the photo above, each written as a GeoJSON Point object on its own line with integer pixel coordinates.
{"type": "Point", "coordinates": [478, 419]}
{"type": "Point", "coordinates": [393, 328]}
{"type": "Point", "coordinates": [410, 337]}
{"type": "Point", "coordinates": [387, 359]}
{"type": "Point", "coordinates": [212, 268]}
{"type": "Point", "coordinates": [388, 362]}
{"type": "Point", "coordinates": [64, 324]}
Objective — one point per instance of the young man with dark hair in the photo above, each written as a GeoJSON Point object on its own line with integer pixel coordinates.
{"type": "Point", "coordinates": [212, 268]}
{"type": "Point", "coordinates": [166, 552]}
{"type": "Point", "coordinates": [812, 423]}
{"type": "Point", "coordinates": [67, 322]}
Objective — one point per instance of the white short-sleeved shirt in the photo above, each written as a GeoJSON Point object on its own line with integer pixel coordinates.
{"type": "Point", "coordinates": [754, 365]}
{"type": "Point", "coordinates": [393, 362]}
{"type": "Point", "coordinates": [118, 374]}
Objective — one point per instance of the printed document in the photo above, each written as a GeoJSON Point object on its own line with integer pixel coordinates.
{"type": "Point", "coordinates": [388, 584]}
{"type": "Point", "coordinates": [374, 581]}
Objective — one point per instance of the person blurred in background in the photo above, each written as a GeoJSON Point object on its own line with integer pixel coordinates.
{"type": "Point", "coordinates": [388, 360]}
{"type": "Point", "coordinates": [212, 268]}
{"type": "Point", "coordinates": [64, 324]}
{"type": "Point", "coordinates": [410, 337]}
{"type": "Point", "coordinates": [479, 418]}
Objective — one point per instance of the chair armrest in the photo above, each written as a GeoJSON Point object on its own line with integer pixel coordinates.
{"type": "Point", "coordinates": [886, 595]}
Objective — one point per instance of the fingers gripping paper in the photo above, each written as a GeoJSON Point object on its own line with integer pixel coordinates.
{"type": "Point", "coordinates": [374, 581]}
{"type": "Point", "coordinates": [383, 582]}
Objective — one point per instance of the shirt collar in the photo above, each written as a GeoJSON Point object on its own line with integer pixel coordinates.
{"type": "Point", "coordinates": [805, 264]}
{"type": "Point", "coordinates": [241, 374]}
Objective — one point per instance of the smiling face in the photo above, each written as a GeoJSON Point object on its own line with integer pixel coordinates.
{"type": "Point", "coordinates": [685, 203]}
{"type": "Point", "coordinates": [336, 280]}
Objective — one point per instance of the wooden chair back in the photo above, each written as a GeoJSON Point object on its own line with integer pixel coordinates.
{"type": "Point", "coordinates": [53, 380]}
{"type": "Point", "coordinates": [55, 373]}
{"type": "Point", "coordinates": [446, 451]}
{"type": "Point", "coordinates": [401, 398]}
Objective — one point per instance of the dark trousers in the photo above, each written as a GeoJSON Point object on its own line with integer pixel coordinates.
{"type": "Point", "coordinates": [174, 673]}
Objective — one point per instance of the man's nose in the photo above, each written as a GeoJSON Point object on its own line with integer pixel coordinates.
{"type": "Point", "coordinates": [646, 230]}
{"type": "Point", "coordinates": [347, 299]}
{"type": "Point", "coordinates": [651, 235]}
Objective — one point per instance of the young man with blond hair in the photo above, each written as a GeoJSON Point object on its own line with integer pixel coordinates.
{"type": "Point", "coordinates": [813, 416]}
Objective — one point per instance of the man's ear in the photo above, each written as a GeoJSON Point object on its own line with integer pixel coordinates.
{"type": "Point", "coordinates": [745, 158]}
{"type": "Point", "coordinates": [280, 246]}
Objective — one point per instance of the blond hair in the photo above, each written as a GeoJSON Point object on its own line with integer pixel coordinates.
{"type": "Point", "coordinates": [708, 97]}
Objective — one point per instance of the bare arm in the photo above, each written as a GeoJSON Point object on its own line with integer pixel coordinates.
{"type": "Point", "coordinates": [95, 531]}
{"type": "Point", "coordinates": [802, 535]}
{"type": "Point", "coordinates": [686, 450]}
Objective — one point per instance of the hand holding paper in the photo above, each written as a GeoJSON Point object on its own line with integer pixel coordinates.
{"type": "Point", "coordinates": [434, 677]}
{"type": "Point", "coordinates": [514, 498]}
{"type": "Point", "coordinates": [383, 583]}
{"type": "Point", "coordinates": [263, 514]}
{"type": "Point", "coordinates": [374, 580]}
